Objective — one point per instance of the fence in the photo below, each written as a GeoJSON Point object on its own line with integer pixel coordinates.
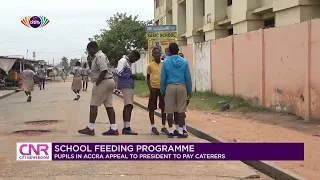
{"type": "Point", "coordinates": [141, 65]}
{"type": "Point", "coordinates": [275, 68]}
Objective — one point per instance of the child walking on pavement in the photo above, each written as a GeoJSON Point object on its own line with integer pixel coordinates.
{"type": "Point", "coordinates": [42, 75]}
{"type": "Point", "coordinates": [76, 83]}
{"type": "Point", "coordinates": [85, 77]}
{"type": "Point", "coordinates": [27, 81]}
{"type": "Point", "coordinates": [63, 75]}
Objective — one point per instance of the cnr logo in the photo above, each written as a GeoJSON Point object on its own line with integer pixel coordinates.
{"type": "Point", "coordinates": [34, 151]}
{"type": "Point", "coordinates": [29, 149]}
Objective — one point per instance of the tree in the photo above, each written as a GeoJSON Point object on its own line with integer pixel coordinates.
{"type": "Point", "coordinates": [73, 62]}
{"type": "Point", "coordinates": [124, 34]}
{"type": "Point", "coordinates": [65, 63]}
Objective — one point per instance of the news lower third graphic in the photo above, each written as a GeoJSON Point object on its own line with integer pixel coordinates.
{"type": "Point", "coordinates": [35, 21]}
{"type": "Point", "coordinates": [159, 151]}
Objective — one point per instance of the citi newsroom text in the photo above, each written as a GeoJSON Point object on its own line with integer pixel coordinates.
{"type": "Point", "coordinates": [48, 151]}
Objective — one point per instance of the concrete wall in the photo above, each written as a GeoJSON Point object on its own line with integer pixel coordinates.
{"type": "Point", "coordinates": [244, 61]}
{"type": "Point", "coordinates": [276, 68]}
{"type": "Point", "coordinates": [222, 66]}
{"type": "Point", "coordinates": [314, 52]}
{"type": "Point", "coordinates": [286, 68]}
{"type": "Point", "coordinates": [187, 51]}
{"type": "Point", "coordinates": [202, 67]}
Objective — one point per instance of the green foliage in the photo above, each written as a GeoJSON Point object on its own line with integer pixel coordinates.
{"type": "Point", "coordinates": [140, 76]}
{"type": "Point", "coordinates": [125, 32]}
{"type": "Point", "coordinates": [73, 61]}
{"type": "Point", "coordinates": [206, 101]}
{"type": "Point", "coordinates": [65, 63]}
{"type": "Point", "coordinates": [141, 88]}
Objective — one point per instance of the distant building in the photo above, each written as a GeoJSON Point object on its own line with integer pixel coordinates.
{"type": "Point", "coordinates": [202, 20]}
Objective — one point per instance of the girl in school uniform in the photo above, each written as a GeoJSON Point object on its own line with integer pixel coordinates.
{"type": "Point", "coordinates": [77, 80]}
{"type": "Point", "coordinates": [85, 77]}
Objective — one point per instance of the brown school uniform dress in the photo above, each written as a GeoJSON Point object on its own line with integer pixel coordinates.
{"type": "Point", "coordinates": [27, 80]}
{"type": "Point", "coordinates": [77, 80]}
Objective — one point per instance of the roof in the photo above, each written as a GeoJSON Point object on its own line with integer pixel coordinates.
{"type": "Point", "coordinates": [7, 57]}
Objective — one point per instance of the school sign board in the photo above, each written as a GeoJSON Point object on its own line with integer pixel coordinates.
{"type": "Point", "coordinates": [161, 37]}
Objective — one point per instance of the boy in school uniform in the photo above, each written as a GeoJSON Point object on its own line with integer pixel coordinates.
{"type": "Point", "coordinates": [125, 83]}
{"type": "Point", "coordinates": [153, 81]}
{"type": "Point", "coordinates": [176, 87]}
{"type": "Point", "coordinates": [176, 132]}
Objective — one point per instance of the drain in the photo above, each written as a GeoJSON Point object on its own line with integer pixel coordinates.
{"type": "Point", "coordinates": [42, 122]}
{"type": "Point", "coordinates": [31, 132]}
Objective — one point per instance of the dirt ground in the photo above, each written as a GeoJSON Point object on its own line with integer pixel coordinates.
{"type": "Point", "coordinates": [264, 127]}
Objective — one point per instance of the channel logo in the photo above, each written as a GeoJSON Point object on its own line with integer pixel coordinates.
{"type": "Point", "coordinates": [35, 21]}
{"type": "Point", "coordinates": [34, 151]}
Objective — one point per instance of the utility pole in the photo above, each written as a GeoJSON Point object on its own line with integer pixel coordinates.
{"type": "Point", "coordinates": [54, 75]}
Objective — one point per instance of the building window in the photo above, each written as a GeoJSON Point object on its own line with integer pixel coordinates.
{"type": "Point", "coordinates": [204, 7]}
{"type": "Point", "coordinates": [157, 3]}
{"type": "Point", "coordinates": [229, 2]}
{"type": "Point", "coordinates": [230, 31]}
{"type": "Point", "coordinates": [269, 23]}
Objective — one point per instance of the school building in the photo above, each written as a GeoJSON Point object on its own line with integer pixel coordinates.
{"type": "Point", "coordinates": [203, 20]}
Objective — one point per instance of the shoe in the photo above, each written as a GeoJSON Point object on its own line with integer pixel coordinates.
{"type": "Point", "coordinates": [185, 132]}
{"type": "Point", "coordinates": [176, 133]}
{"type": "Point", "coordinates": [171, 135]}
{"type": "Point", "coordinates": [111, 132]}
{"type": "Point", "coordinates": [128, 131]}
{"type": "Point", "coordinates": [155, 131]}
{"type": "Point", "coordinates": [86, 131]}
{"type": "Point", "coordinates": [182, 136]}
{"type": "Point", "coordinates": [77, 98]}
{"type": "Point", "coordinates": [165, 131]}
{"type": "Point", "coordinates": [29, 99]}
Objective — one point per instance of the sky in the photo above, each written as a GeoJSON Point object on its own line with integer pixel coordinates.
{"type": "Point", "coordinates": [72, 22]}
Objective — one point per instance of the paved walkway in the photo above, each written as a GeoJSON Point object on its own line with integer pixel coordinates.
{"type": "Point", "coordinates": [4, 93]}
{"type": "Point", "coordinates": [56, 103]}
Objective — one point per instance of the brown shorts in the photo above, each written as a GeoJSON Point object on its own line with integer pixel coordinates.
{"type": "Point", "coordinates": [103, 94]}
{"type": "Point", "coordinates": [176, 98]}
{"type": "Point", "coordinates": [153, 100]}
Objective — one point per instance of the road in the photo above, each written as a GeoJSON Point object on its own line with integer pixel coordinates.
{"type": "Point", "coordinates": [56, 103]}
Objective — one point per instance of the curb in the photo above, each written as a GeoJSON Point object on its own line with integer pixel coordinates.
{"type": "Point", "coordinates": [262, 166]}
{"type": "Point", "coordinates": [9, 94]}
